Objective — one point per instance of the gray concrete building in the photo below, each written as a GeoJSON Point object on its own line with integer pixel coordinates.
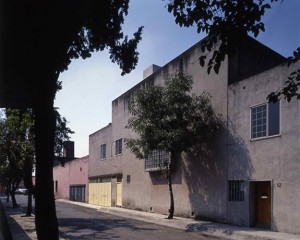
{"type": "Point", "coordinates": [250, 178]}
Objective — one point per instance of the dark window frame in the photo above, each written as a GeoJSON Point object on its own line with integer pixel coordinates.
{"type": "Point", "coordinates": [118, 147]}
{"type": "Point", "coordinates": [103, 151]}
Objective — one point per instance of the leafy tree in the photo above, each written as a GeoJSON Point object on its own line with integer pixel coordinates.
{"type": "Point", "coordinates": [229, 22]}
{"type": "Point", "coordinates": [169, 118]}
{"type": "Point", "coordinates": [12, 136]}
{"type": "Point", "coordinates": [41, 39]}
{"type": "Point", "coordinates": [62, 134]}
{"type": "Point", "coordinates": [291, 86]}
{"type": "Point", "coordinates": [18, 128]}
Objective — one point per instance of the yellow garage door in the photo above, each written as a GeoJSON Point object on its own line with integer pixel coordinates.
{"type": "Point", "coordinates": [100, 194]}
{"type": "Point", "coordinates": [119, 194]}
{"type": "Point", "coordinates": [92, 193]}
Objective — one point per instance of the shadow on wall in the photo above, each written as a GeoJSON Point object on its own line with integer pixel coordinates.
{"type": "Point", "coordinates": [239, 165]}
{"type": "Point", "coordinates": [205, 170]}
{"type": "Point", "coordinates": [158, 179]}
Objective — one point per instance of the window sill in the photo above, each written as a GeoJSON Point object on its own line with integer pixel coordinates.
{"type": "Point", "coordinates": [157, 169]}
{"type": "Point", "coordinates": [264, 138]}
{"type": "Point", "coordinates": [102, 159]}
{"type": "Point", "coordinates": [120, 154]}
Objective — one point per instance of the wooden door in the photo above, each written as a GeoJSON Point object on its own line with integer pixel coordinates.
{"type": "Point", "coordinates": [100, 194]}
{"type": "Point", "coordinates": [263, 204]}
{"type": "Point", "coordinates": [119, 194]}
{"type": "Point", "coordinates": [104, 195]}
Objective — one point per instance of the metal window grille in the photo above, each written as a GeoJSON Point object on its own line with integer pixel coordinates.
{"type": "Point", "coordinates": [236, 191]}
{"type": "Point", "coordinates": [157, 159]}
{"type": "Point", "coordinates": [77, 193]}
{"type": "Point", "coordinates": [119, 146]}
{"type": "Point", "coordinates": [103, 151]}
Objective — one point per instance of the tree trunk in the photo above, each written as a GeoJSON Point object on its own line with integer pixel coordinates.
{"type": "Point", "coordinates": [14, 187]}
{"type": "Point", "coordinates": [28, 165]}
{"type": "Point", "coordinates": [29, 204]}
{"type": "Point", "coordinates": [172, 207]}
{"type": "Point", "coordinates": [13, 199]}
{"type": "Point", "coordinates": [45, 212]}
{"type": "Point", "coordinates": [7, 192]}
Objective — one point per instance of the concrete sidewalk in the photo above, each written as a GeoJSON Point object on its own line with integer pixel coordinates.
{"type": "Point", "coordinates": [24, 227]}
{"type": "Point", "coordinates": [21, 227]}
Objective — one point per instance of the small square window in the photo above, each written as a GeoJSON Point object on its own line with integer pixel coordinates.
{"type": "Point", "coordinates": [103, 151]}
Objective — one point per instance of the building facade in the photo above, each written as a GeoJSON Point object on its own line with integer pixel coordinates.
{"type": "Point", "coordinates": [252, 167]}
{"type": "Point", "coordinates": [71, 180]}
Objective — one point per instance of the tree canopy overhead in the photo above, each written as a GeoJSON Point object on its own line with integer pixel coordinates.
{"type": "Point", "coordinates": [42, 37]}
{"type": "Point", "coordinates": [230, 22]}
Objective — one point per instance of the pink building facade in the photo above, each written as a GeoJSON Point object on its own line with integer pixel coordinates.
{"type": "Point", "coordinates": [71, 181]}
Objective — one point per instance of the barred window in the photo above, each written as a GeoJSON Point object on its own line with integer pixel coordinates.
{"type": "Point", "coordinates": [156, 160]}
{"type": "Point", "coordinates": [103, 151]}
{"type": "Point", "coordinates": [119, 146]}
{"type": "Point", "coordinates": [236, 191]}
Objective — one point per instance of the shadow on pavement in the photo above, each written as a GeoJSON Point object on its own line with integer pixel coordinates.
{"type": "Point", "coordinates": [12, 215]}
{"type": "Point", "coordinates": [93, 228]}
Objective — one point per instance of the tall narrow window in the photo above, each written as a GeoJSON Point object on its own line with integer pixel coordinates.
{"type": "Point", "coordinates": [103, 152]}
{"type": "Point", "coordinates": [265, 120]}
{"type": "Point", "coordinates": [56, 186]}
{"type": "Point", "coordinates": [119, 146]}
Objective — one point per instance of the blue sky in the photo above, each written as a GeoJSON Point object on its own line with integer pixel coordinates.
{"type": "Point", "coordinates": [90, 85]}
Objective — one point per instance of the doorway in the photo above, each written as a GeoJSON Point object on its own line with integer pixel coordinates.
{"type": "Point", "coordinates": [261, 204]}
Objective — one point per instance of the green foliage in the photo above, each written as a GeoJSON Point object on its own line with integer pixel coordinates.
{"type": "Point", "coordinates": [62, 133]}
{"type": "Point", "coordinates": [53, 33]}
{"type": "Point", "coordinates": [170, 118]}
{"type": "Point", "coordinates": [228, 21]}
{"type": "Point", "coordinates": [291, 87]}
{"type": "Point", "coordinates": [17, 146]}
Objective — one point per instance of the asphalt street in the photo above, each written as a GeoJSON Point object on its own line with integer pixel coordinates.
{"type": "Point", "coordinates": [76, 222]}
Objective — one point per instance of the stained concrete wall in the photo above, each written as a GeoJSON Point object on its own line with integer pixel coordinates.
{"type": "Point", "coordinates": [274, 159]}
{"type": "Point", "coordinates": [109, 166]}
{"type": "Point", "coordinates": [198, 182]}
{"type": "Point", "coordinates": [61, 176]}
{"type": "Point", "coordinates": [73, 173]}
